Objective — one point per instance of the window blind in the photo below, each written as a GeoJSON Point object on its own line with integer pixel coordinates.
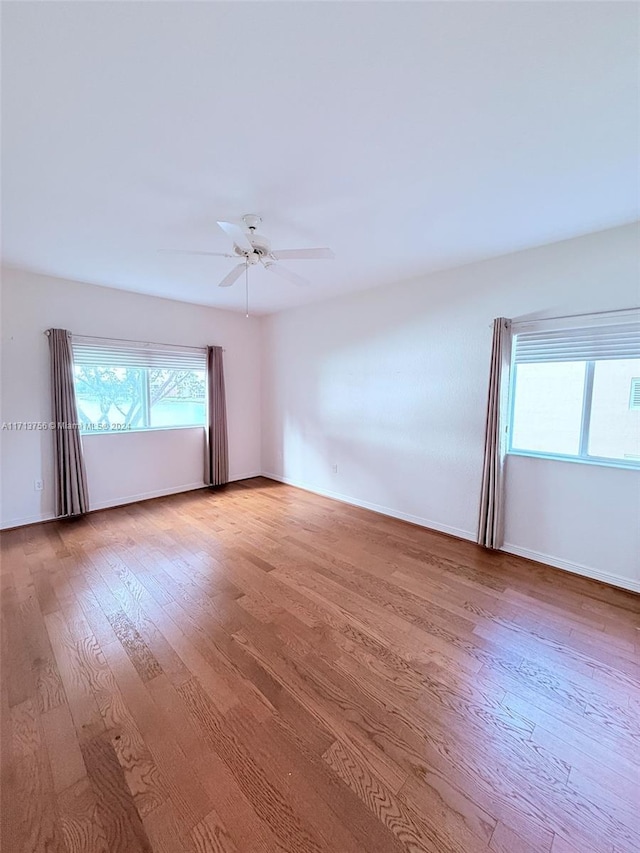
{"type": "Point", "coordinates": [588, 343]}
{"type": "Point", "coordinates": [136, 355]}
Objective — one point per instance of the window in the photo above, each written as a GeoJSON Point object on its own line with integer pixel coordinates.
{"type": "Point", "coordinates": [575, 394]}
{"type": "Point", "coordinates": [123, 387]}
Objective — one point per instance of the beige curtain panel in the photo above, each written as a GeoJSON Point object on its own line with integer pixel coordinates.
{"type": "Point", "coordinates": [72, 496]}
{"type": "Point", "coordinates": [216, 472]}
{"type": "Point", "coordinates": [491, 521]}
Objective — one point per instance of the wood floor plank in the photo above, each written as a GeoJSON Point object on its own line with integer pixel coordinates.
{"type": "Point", "coordinates": [116, 809]}
{"type": "Point", "coordinates": [48, 683]}
{"type": "Point", "coordinates": [507, 840]}
{"type": "Point", "coordinates": [267, 799]}
{"type": "Point", "coordinates": [212, 774]}
{"type": "Point", "coordinates": [165, 832]}
{"type": "Point", "coordinates": [308, 771]}
{"type": "Point", "coordinates": [8, 792]}
{"type": "Point", "coordinates": [67, 764]}
{"type": "Point", "coordinates": [80, 698]}
{"type": "Point", "coordinates": [209, 836]}
{"type": "Point", "coordinates": [262, 670]}
{"type": "Point", "coordinates": [592, 760]}
{"type": "Point", "coordinates": [37, 826]}
{"type": "Point", "coordinates": [571, 726]}
{"type": "Point", "coordinates": [323, 708]}
{"type": "Point", "coordinates": [413, 833]}
{"type": "Point", "coordinates": [189, 800]}
{"type": "Point", "coordinates": [80, 819]}
{"type": "Point", "coordinates": [452, 811]}
{"type": "Point", "coordinates": [19, 678]}
{"type": "Point", "coordinates": [138, 764]}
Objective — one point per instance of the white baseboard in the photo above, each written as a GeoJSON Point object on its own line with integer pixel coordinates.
{"type": "Point", "coordinates": [161, 493]}
{"type": "Point", "coordinates": [547, 559]}
{"type": "Point", "coordinates": [145, 496]}
{"type": "Point", "coordinates": [575, 568]}
{"type": "Point", "coordinates": [123, 501]}
{"type": "Point", "coordinates": [383, 510]}
{"type": "Point", "coordinates": [245, 477]}
{"type": "Point", "coordinates": [26, 519]}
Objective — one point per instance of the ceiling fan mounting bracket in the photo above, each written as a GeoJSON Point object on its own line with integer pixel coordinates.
{"type": "Point", "coordinates": [252, 220]}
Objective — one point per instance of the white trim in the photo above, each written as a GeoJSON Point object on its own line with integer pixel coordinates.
{"type": "Point", "coordinates": [144, 496]}
{"type": "Point", "coordinates": [546, 559]}
{"type": "Point", "coordinates": [27, 519]}
{"type": "Point", "coordinates": [624, 464]}
{"type": "Point", "coordinates": [575, 568]}
{"type": "Point", "coordinates": [246, 476]}
{"type": "Point", "coordinates": [383, 510]}
{"type": "Point", "coordinates": [130, 430]}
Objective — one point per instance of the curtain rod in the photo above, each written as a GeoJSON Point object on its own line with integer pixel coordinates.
{"type": "Point", "coordinates": [128, 341]}
{"type": "Point", "coordinates": [576, 316]}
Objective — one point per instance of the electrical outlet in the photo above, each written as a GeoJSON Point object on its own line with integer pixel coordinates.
{"type": "Point", "coordinates": [334, 468]}
{"type": "Point", "coordinates": [38, 485]}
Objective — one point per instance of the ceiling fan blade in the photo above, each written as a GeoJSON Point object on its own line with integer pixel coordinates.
{"type": "Point", "coordinates": [303, 254]}
{"type": "Point", "coordinates": [233, 276]}
{"type": "Point", "coordinates": [237, 235]}
{"type": "Point", "coordinates": [283, 272]}
{"type": "Point", "coordinates": [189, 252]}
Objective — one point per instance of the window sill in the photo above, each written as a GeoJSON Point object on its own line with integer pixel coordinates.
{"type": "Point", "coordinates": [631, 465]}
{"type": "Point", "coordinates": [140, 429]}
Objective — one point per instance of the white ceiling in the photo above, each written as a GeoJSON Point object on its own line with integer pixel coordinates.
{"type": "Point", "coordinates": [406, 136]}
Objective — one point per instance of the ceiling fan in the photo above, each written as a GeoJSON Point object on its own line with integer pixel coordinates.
{"type": "Point", "coordinates": [253, 248]}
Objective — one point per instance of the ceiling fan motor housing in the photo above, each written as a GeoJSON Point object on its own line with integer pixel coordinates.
{"type": "Point", "coordinates": [260, 245]}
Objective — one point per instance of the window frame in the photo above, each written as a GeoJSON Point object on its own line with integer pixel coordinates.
{"type": "Point", "coordinates": [111, 347]}
{"type": "Point", "coordinates": [582, 457]}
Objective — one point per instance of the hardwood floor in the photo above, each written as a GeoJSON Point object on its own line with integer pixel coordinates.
{"type": "Point", "coordinates": [262, 669]}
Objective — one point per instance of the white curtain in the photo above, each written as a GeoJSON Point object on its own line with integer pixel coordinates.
{"type": "Point", "coordinates": [491, 521]}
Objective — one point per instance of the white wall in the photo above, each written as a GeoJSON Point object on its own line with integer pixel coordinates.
{"type": "Point", "coordinates": [126, 466]}
{"type": "Point", "coordinates": [390, 385]}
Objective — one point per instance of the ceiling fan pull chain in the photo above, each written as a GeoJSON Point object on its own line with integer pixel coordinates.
{"type": "Point", "coordinates": [246, 284]}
